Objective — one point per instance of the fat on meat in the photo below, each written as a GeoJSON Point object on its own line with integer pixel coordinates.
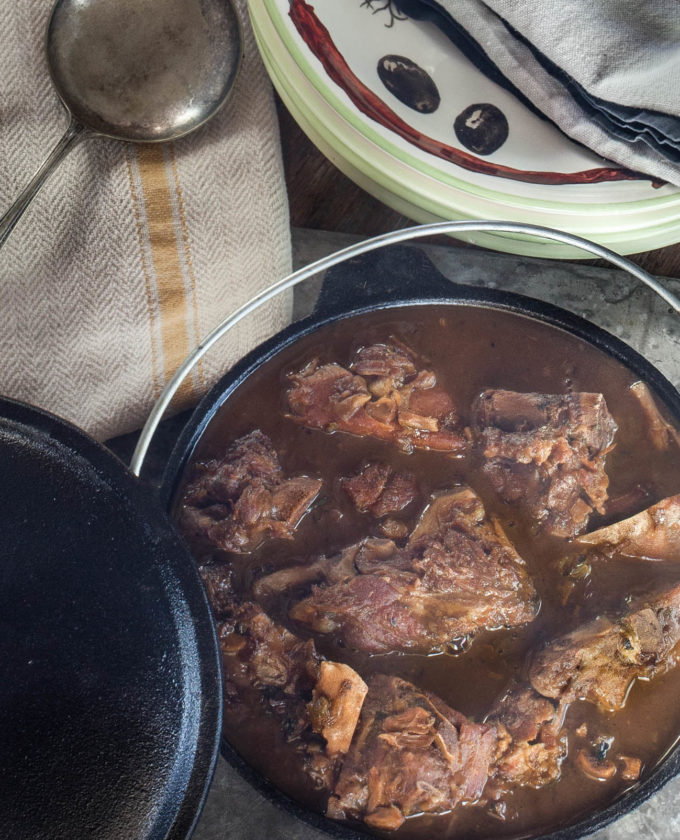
{"type": "Point", "coordinates": [653, 534]}
{"type": "Point", "coordinates": [382, 394]}
{"type": "Point", "coordinates": [661, 432]}
{"type": "Point", "coordinates": [600, 660]}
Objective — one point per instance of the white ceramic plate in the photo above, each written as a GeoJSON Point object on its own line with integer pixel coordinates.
{"type": "Point", "coordinates": [324, 60]}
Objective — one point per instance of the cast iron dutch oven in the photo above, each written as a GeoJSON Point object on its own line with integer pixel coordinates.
{"type": "Point", "coordinates": [111, 691]}
{"type": "Point", "coordinates": [376, 281]}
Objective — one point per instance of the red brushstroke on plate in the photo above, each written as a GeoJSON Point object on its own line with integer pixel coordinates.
{"type": "Point", "coordinates": [319, 41]}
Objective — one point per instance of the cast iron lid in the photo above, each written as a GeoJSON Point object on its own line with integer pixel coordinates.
{"type": "Point", "coordinates": [110, 695]}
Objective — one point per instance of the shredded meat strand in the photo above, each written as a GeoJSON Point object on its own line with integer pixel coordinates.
{"type": "Point", "coordinates": [546, 452]}
{"type": "Point", "coordinates": [239, 501]}
{"type": "Point", "coordinates": [411, 753]}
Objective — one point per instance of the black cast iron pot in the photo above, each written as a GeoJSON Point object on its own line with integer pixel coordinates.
{"type": "Point", "coordinates": [389, 279]}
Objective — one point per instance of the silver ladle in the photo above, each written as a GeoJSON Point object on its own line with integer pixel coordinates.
{"type": "Point", "coordinates": [144, 71]}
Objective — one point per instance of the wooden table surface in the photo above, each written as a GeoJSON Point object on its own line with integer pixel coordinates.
{"type": "Point", "coordinates": [322, 198]}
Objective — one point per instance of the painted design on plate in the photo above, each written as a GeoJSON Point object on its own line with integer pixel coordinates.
{"type": "Point", "coordinates": [409, 83]}
{"type": "Point", "coordinates": [482, 128]}
{"type": "Point", "coordinates": [319, 41]}
{"type": "Point", "coordinates": [387, 6]}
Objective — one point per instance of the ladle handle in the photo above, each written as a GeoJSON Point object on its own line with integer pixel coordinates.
{"type": "Point", "coordinates": [73, 133]}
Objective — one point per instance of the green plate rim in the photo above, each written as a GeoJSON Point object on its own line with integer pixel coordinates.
{"type": "Point", "coordinates": [427, 211]}
{"type": "Point", "coordinates": [281, 27]}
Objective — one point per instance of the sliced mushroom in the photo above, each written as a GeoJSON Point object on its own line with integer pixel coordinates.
{"type": "Point", "coordinates": [631, 767]}
{"type": "Point", "coordinates": [601, 770]}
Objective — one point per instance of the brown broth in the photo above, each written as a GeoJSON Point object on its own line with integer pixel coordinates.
{"type": "Point", "coordinates": [470, 349]}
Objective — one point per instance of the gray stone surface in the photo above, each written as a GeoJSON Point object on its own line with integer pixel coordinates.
{"type": "Point", "coordinates": [613, 300]}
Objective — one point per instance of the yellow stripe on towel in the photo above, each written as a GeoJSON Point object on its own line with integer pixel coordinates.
{"type": "Point", "coordinates": [174, 309]}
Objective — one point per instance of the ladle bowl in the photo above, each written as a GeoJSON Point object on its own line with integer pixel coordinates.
{"type": "Point", "coordinates": [144, 71]}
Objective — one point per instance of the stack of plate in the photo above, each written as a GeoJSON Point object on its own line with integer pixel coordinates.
{"type": "Point", "coordinates": [401, 111]}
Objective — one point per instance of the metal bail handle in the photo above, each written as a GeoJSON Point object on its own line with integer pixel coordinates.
{"type": "Point", "coordinates": [392, 238]}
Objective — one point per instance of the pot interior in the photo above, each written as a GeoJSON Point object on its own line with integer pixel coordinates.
{"type": "Point", "coordinates": [474, 341]}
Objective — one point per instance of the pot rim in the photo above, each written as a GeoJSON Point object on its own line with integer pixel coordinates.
{"type": "Point", "coordinates": [339, 257]}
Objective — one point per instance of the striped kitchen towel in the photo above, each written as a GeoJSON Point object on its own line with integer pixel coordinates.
{"type": "Point", "coordinates": [131, 254]}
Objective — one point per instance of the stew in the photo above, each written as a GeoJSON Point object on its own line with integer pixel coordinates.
{"type": "Point", "coordinates": [441, 544]}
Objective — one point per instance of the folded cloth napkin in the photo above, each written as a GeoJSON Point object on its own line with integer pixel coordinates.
{"type": "Point", "coordinates": [606, 72]}
{"type": "Point", "coordinates": [131, 254]}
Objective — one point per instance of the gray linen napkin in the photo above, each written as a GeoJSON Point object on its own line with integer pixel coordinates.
{"type": "Point", "coordinates": [607, 72]}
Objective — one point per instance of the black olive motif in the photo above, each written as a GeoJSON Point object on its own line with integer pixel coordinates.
{"type": "Point", "coordinates": [481, 128]}
{"type": "Point", "coordinates": [409, 83]}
